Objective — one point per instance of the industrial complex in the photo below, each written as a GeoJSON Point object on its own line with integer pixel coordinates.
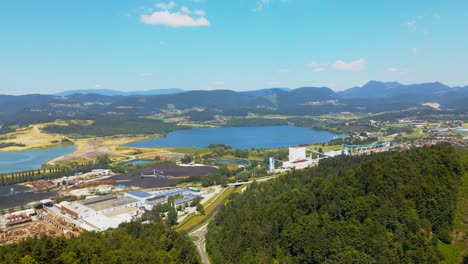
{"type": "Point", "coordinates": [298, 158]}
{"type": "Point", "coordinates": [96, 213]}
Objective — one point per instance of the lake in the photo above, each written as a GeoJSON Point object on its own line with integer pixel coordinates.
{"type": "Point", "coordinates": [240, 137]}
{"type": "Point", "coordinates": [30, 159]}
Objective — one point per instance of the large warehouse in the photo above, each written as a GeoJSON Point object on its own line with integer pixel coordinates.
{"type": "Point", "coordinates": [298, 159]}
{"type": "Point", "coordinates": [98, 205]}
{"type": "Point", "coordinates": [108, 211]}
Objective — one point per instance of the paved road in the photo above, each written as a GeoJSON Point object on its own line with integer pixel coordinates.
{"type": "Point", "coordinates": [200, 243]}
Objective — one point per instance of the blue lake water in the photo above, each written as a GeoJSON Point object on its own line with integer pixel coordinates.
{"type": "Point", "coordinates": [240, 137]}
{"type": "Point", "coordinates": [30, 159]}
{"type": "Point", "coordinates": [234, 161]}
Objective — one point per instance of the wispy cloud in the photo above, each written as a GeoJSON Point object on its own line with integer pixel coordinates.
{"type": "Point", "coordinates": [166, 6]}
{"type": "Point", "coordinates": [414, 51]}
{"type": "Point", "coordinates": [357, 65]}
{"type": "Point", "coordinates": [261, 4]}
{"type": "Point", "coordinates": [176, 19]}
{"type": "Point", "coordinates": [318, 66]}
{"type": "Point", "coordinates": [182, 18]}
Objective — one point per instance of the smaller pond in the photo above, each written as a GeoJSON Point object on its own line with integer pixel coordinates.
{"type": "Point", "coordinates": [233, 161]}
{"type": "Point", "coordinates": [136, 162]}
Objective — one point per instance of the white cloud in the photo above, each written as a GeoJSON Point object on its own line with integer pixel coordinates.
{"type": "Point", "coordinates": [176, 19]}
{"type": "Point", "coordinates": [317, 66]}
{"type": "Point", "coordinates": [166, 6]}
{"type": "Point", "coordinates": [185, 10]}
{"type": "Point", "coordinates": [274, 83]}
{"type": "Point", "coordinates": [414, 51]}
{"type": "Point", "coordinates": [97, 85]}
{"type": "Point", "coordinates": [357, 65]}
{"type": "Point", "coordinates": [199, 13]}
{"type": "Point", "coordinates": [313, 64]}
{"type": "Point", "coordinates": [260, 4]}
{"type": "Point", "coordinates": [218, 83]}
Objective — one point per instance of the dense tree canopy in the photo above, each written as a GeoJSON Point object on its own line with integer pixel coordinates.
{"type": "Point", "coordinates": [389, 208]}
{"type": "Point", "coordinates": [130, 243]}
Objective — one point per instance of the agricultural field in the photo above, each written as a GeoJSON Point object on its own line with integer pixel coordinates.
{"type": "Point", "coordinates": [31, 137]}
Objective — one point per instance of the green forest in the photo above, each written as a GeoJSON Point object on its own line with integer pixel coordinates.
{"type": "Point", "coordinates": [114, 126]}
{"type": "Point", "coordinates": [389, 208]}
{"type": "Point", "coordinates": [130, 243]}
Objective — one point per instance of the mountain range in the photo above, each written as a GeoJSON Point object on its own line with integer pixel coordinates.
{"type": "Point", "coordinates": [372, 97]}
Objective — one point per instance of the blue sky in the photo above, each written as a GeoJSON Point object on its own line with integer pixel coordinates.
{"type": "Point", "coordinates": [54, 45]}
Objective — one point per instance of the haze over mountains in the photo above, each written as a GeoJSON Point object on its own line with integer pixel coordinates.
{"type": "Point", "coordinates": [371, 98]}
{"type": "Point", "coordinates": [109, 92]}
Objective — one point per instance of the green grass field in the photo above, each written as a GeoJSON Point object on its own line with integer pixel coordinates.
{"type": "Point", "coordinates": [193, 219]}
{"type": "Point", "coordinates": [191, 151]}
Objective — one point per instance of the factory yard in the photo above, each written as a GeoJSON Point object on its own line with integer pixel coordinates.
{"type": "Point", "coordinates": [104, 200]}
{"type": "Point", "coordinates": [12, 201]}
{"type": "Point", "coordinates": [161, 175]}
{"type": "Point", "coordinates": [23, 231]}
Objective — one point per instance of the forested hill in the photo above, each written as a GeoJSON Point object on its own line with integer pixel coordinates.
{"type": "Point", "coordinates": [389, 208]}
{"type": "Point", "coordinates": [130, 243]}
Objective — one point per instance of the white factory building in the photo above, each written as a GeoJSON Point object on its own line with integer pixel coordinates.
{"type": "Point", "coordinates": [108, 211]}
{"type": "Point", "coordinates": [298, 159]}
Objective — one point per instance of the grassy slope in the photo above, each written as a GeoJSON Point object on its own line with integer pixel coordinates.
{"type": "Point", "coordinates": [193, 220]}
{"type": "Point", "coordinates": [455, 252]}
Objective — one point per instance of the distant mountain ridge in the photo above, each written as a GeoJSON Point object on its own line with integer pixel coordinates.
{"type": "Point", "coordinates": [109, 92]}
{"type": "Point", "coordinates": [375, 89]}
{"type": "Point", "coordinates": [372, 97]}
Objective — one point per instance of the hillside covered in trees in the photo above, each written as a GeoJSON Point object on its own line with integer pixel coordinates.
{"type": "Point", "coordinates": [389, 208]}
{"type": "Point", "coordinates": [130, 243]}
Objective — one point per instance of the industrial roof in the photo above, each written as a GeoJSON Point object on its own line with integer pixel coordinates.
{"type": "Point", "coordinates": [186, 198]}
{"type": "Point", "coordinates": [77, 207]}
{"type": "Point", "coordinates": [106, 204]}
{"type": "Point", "coordinates": [101, 222]}
{"type": "Point", "coordinates": [140, 194]}
{"type": "Point", "coordinates": [169, 192]}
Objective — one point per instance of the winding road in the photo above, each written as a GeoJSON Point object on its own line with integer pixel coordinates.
{"type": "Point", "coordinates": [201, 242]}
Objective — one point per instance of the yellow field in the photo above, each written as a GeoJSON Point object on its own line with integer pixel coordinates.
{"type": "Point", "coordinates": [91, 148]}
{"type": "Point", "coordinates": [341, 116]}
{"type": "Point", "coordinates": [31, 137]}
